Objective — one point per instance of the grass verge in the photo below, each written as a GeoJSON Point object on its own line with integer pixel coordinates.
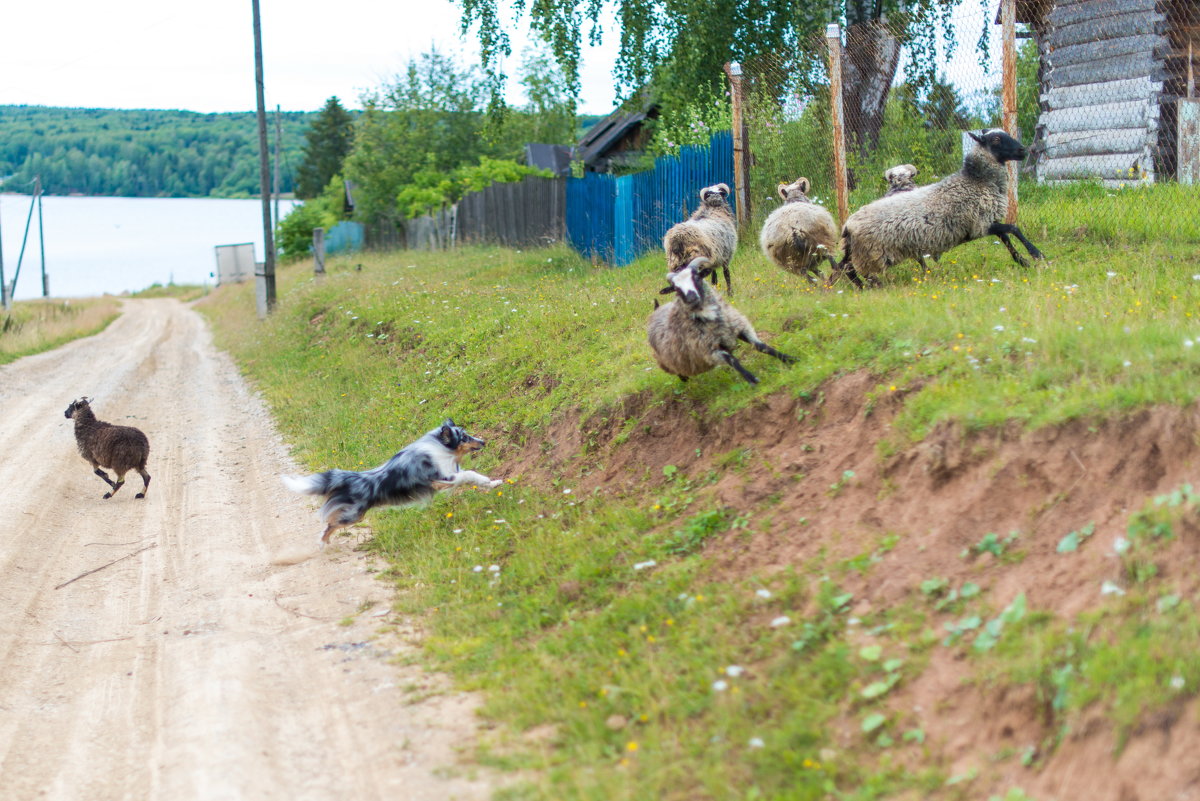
{"type": "Point", "coordinates": [39, 325]}
{"type": "Point", "coordinates": [595, 624]}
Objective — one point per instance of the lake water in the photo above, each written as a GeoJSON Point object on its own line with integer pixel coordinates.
{"type": "Point", "coordinates": [96, 245]}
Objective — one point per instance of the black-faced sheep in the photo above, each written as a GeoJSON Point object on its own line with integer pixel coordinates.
{"type": "Point", "coordinates": [710, 232]}
{"type": "Point", "coordinates": [800, 233]}
{"type": "Point", "coordinates": [699, 329]}
{"type": "Point", "coordinates": [119, 448]}
{"type": "Point", "coordinates": [929, 220]}
{"type": "Point", "coordinates": [900, 178]}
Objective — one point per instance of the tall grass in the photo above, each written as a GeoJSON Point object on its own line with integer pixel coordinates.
{"type": "Point", "coordinates": [627, 667]}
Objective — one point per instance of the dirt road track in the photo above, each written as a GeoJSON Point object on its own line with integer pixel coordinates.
{"type": "Point", "coordinates": [206, 666]}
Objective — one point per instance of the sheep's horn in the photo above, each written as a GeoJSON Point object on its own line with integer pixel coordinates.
{"type": "Point", "coordinates": [700, 262]}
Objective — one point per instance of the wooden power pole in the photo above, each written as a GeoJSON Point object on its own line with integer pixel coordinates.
{"type": "Point", "coordinates": [266, 294]}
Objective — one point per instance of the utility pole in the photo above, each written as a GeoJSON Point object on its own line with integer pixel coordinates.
{"type": "Point", "coordinates": [41, 237]}
{"type": "Point", "coordinates": [267, 298]}
{"type": "Point", "coordinates": [4, 301]}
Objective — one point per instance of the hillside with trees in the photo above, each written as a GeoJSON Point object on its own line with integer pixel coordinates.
{"type": "Point", "coordinates": [142, 153]}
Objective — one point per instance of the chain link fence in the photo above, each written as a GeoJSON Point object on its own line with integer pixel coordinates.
{"type": "Point", "coordinates": [1103, 93]}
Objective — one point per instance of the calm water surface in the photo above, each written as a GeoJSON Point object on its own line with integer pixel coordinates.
{"type": "Point", "coordinates": [96, 245]}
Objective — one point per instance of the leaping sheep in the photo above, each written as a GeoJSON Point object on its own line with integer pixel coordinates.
{"type": "Point", "coordinates": [929, 220]}
{"type": "Point", "coordinates": [699, 329]}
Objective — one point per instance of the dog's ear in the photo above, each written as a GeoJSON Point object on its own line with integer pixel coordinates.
{"type": "Point", "coordinates": [446, 434]}
{"type": "Point", "coordinates": [449, 422]}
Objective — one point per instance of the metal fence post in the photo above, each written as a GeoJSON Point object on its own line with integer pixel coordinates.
{"type": "Point", "coordinates": [833, 38]}
{"type": "Point", "coordinates": [318, 251]}
{"type": "Point", "coordinates": [1008, 23]}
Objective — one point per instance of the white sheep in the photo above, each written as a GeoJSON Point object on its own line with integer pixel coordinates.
{"type": "Point", "coordinates": [929, 220]}
{"type": "Point", "coordinates": [699, 329]}
{"type": "Point", "coordinates": [800, 233]}
{"type": "Point", "coordinates": [710, 232]}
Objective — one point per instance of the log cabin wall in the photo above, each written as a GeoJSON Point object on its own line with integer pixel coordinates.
{"type": "Point", "coordinates": [1103, 78]}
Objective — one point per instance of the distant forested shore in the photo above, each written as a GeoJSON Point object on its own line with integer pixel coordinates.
{"type": "Point", "coordinates": [142, 153]}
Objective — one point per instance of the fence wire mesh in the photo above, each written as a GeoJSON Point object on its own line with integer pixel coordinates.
{"type": "Point", "coordinates": [1105, 99]}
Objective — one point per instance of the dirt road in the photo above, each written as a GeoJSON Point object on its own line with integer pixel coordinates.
{"type": "Point", "coordinates": [214, 662]}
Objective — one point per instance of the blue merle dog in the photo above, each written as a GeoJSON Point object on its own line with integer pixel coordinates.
{"type": "Point", "coordinates": [413, 475]}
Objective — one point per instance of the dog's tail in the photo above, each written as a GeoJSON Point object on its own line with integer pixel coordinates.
{"type": "Point", "coordinates": [315, 484]}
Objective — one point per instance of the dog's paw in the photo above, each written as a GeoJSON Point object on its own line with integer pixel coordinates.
{"type": "Point", "coordinates": [495, 483]}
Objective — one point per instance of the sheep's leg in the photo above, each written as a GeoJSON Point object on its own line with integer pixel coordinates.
{"type": "Point", "coordinates": [732, 361]}
{"type": "Point", "coordinates": [728, 286]}
{"type": "Point", "coordinates": [1002, 230]}
{"type": "Point", "coordinates": [120, 482]}
{"type": "Point", "coordinates": [145, 484]}
{"type": "Point", "coordinates": [846, 268]}
{"type": "Point", "coordinates": [1012, 251]}
{"type": "Point", "coordinates": [100, 472]}
{"type": "Point", "coordinates": [763, 347]}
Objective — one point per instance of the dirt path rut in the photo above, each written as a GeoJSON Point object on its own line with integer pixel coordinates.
{"type": "Point", "coordinates": [214, 663]}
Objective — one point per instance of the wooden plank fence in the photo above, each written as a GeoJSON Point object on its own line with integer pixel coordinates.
{"type": "Point", "coordinates": [617, 219]}
{"type": "Point", "coordinates": [610, 219]}
{"type": "Point", "coordinates": [528, 213]}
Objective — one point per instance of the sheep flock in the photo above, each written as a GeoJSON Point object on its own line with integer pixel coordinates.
{"type": "Point", "coordinates": [696, 332]}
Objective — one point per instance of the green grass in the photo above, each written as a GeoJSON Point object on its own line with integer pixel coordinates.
{"type": "Point", "coordinates": [598, 619]}
{"type": "Point", "coordinates": [39, 325]}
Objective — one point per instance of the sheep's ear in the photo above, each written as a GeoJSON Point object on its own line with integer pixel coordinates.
{"type": "Point", "coordinates": [802, 184]}
{"type": "Point", "coordinates": [782, 190]}
{"type": "Point", "coordinates": [978, 139]}
{"type": "Point", "coordinates": [664, 291]}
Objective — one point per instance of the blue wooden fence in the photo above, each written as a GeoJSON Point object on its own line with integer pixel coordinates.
{"type": "Point", "coordinates": [617, 219]}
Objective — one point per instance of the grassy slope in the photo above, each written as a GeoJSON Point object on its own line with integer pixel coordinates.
{"type": "Point", "coordinates": [533, 593]}
{"type": "Point", "coordinates": [39, 325]}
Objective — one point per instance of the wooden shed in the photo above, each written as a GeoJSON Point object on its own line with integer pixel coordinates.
{"type": "Point", "coordinates": [1111, 74]}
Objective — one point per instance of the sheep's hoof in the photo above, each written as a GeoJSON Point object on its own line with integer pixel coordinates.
{"type": "Point", "coordinates": [107, 495]}
{"type": "Point", "coordinates": [140, 495]}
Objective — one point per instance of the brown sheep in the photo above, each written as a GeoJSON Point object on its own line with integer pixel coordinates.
{"type": "Point", "coordinates": [119, 448]}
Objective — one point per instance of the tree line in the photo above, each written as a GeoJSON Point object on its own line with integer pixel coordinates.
{"type": "Point", "coordinates": [142, 153]}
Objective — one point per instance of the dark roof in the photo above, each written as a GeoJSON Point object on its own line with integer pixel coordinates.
{"type": "Point", "coordinates": [608, 131]}
{"type": "Point", "coordinates": [556, 158]}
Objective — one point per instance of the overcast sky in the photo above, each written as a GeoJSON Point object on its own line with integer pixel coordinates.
{"type": "Point", "coordinates": [200, 56]}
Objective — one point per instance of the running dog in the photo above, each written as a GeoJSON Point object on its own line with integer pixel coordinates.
{"type": "Point", "coordinates": [413, 475]}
